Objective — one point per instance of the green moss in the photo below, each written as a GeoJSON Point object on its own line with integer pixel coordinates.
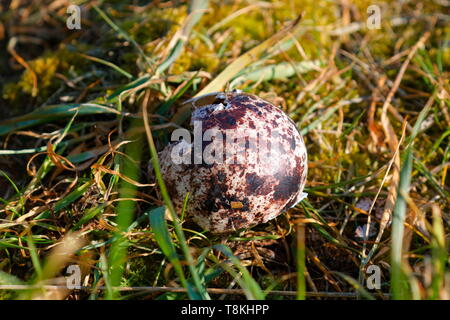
{"type": "Point", "coordinates": [7, 295]}
{"type": "Point", "coordinates": [157, 24]}
{"type": "Point", "coordinates": [45, 68]}
{"type": "Point", "coordinates": [245, 27]}
{"type": "Point", "coordinates": [197, 56]}
{"type": "Point", "coordinates": [141, 271]}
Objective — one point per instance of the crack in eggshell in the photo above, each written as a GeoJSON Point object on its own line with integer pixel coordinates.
{"type": "Point", "coordinates": [264, 188]}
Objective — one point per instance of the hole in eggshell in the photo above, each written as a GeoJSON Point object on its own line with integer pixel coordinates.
{"type": "Point", "coordinates": [204, 100]}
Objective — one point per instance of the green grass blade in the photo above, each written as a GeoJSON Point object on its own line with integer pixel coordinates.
{"type": "Point", "coordinates": [66, 201]}
{"type": "Point", "coordinates": [356, 285]}
{"type": "Point", "coordinates": [176, 220]}
{"type": "Point", "coordinates": [279, 71]}
{"type": "Point", "coordinates": [399, 280]}
{"type": "Point", "coordinates": [50, 113]}
{"type": "Point", "coordinates": [89, 214]}
{"type": "Point", "coordinates": [125, 35]}
{"type": "Point", "coordinates": [9, 279]}
{"type": "Point", "coordinates": [196, 11]}
{"type": "Point", "coordinates": [109, 64]}
{"type": "Point", "coordinates": [439, 255]}
{"type": "Point", "coordinates": [34, 257]}
{"type": "Point", "coordinates": [162, 236]}
{"type": "Point", "coordinates": [248, 284]}
{"type": "Point", "coordinates": [130, 167]}
{"type": "Point", "coordinates": [301, 262]}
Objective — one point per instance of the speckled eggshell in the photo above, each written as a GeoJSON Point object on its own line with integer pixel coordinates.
{"type": "Point", "coordinates": [225, 197]}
